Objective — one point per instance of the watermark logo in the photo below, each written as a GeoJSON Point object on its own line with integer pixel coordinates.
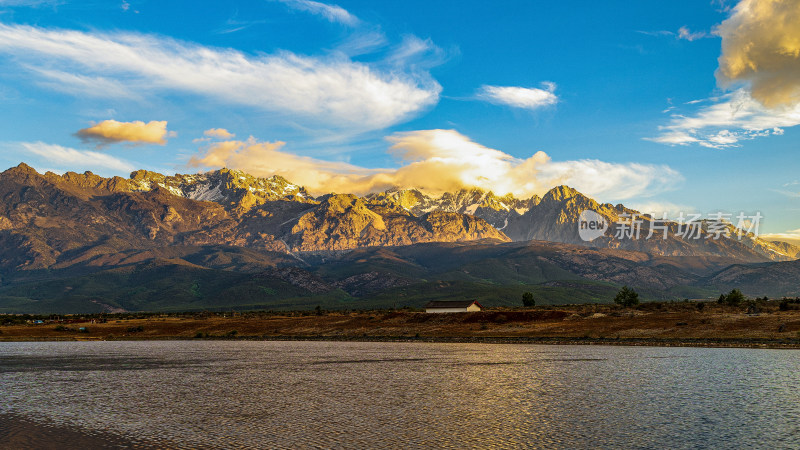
{"type": "Point", "coordinates": [591, 225]}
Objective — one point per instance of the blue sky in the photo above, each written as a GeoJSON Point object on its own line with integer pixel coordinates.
{"type": "Point", "coordinates": [659, 105]}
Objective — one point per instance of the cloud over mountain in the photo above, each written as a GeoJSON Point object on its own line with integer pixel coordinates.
{"type": "Point", "coordinates": [438, 161]}
{"type": "Point", "coordinates": [57, 155]}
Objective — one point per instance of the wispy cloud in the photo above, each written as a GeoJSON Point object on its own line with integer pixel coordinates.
{"type": "Point", "coordinates": [417, 53]}
{"type": "Point", "coordinates": [688, 35]}
{"type": "Point", "coordinates": [443, 160]}
{"type": "Point", "coordinates": [233, 24]}
{"type": "Point", "coordinates": [333, 13]}
{"type": "Point", "coordinates": [82, 85]}
{"type": "Point", "coordinates": [362, 42]}
{"type": "Point", "coordinates": [72, 159]}
{"type": "Point", "coordinates": [31, 3]}
{"type": "Point", "coordinates": [737, 117]}
{"type": "Point", "coordinates": [656, 33]}
{"type": "Point", "coordinates": [332, 92]}
{"type": "Point", "coordinates": [789, 192]}
{"type": "Point", "coordinates": [683, 33]}
{"type": "Point", "coordinates": [519, 97]}
{"type": "Point", "coordinates": [136, 132]}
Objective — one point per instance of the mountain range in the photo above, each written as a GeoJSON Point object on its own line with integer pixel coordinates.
{"type": "Point", "coordinates": [226, 239]}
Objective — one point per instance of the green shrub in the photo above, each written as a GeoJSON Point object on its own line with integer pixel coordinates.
{"type": "Point", "coordinates": [733, 298]}
{"type": "Point", "coordinates": [627, 297]}
{"type": "Point", "coordinates": [527, 300]}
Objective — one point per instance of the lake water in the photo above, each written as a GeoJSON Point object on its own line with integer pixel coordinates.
{"type": "Point", "coordinates": [242, 394]}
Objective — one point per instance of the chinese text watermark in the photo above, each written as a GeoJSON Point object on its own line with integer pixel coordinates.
{"type": "Point", "coordinates": [592, 225]}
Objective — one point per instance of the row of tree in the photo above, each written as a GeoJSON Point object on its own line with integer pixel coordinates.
{"type": "Point", "coordinates": [628, 298]}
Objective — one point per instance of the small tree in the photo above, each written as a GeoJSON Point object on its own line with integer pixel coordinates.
{"type": "Point", "coordinates": [734, 298]}
{"type": "Point", "coordinates": [527, 300]}
{"type": "Point", "coordinates": [627, 297]}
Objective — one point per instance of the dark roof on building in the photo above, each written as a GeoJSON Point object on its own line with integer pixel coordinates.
{"type": "Point", "coordinates": [452, 304]}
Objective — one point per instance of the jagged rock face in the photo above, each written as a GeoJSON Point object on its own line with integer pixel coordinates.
{"type": "Point", "coordinates": [344, 222]}
{"type": "Point", "coordinates": [497, 211]}
{"type": "Point", "coordinates": [233, 189]}
{"type": "Point", "coordinates": [786, 248]}
{"type": "Point", "coordinates": [556, 218]}
{"type": "Point", "coordinates": [50, 219]}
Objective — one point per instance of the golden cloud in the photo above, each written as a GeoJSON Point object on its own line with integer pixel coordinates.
{"type": "Point", "coordinates": [220, 133]}
{"type": "Point", "coordinates": [438, 161]}
{"type": "Point", "coordinates": [111, 131]}
{"type": "Point", "coordinates": [761, 47]}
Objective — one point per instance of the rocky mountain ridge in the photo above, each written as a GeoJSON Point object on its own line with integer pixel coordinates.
{"type": "Point", "coordinates": [81, 242]}
{"type": "Point", "coordinates": [48, 220]}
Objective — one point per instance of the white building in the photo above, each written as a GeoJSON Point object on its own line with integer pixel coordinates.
{"type": "Point", "coordinates": [453, 306]}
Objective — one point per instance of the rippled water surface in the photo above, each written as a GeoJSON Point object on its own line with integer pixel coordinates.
{"type": "Point", "coordinates": [237, 394]}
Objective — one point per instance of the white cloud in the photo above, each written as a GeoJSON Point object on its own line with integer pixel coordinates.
{"type": "Point", "coordinates": [520, 97]}
{"type": "Point", "coordinates": [334, 13]}
{"type": "Point", "coordinates": [137, 132]}
{"type": "Point", "coordinates": [443, 160]}
{"type": "Point", "coordinates": [316, 92]}
{"type": "Point", "coordinates": [78, 160]}
{"type": "Point", "coordinates": [736, 117]}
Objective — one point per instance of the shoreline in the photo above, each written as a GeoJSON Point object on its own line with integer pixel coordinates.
{"type": "Point", "coordinates": [677, 325]}
{"type": "Point", "coordinates": [774, 344]}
